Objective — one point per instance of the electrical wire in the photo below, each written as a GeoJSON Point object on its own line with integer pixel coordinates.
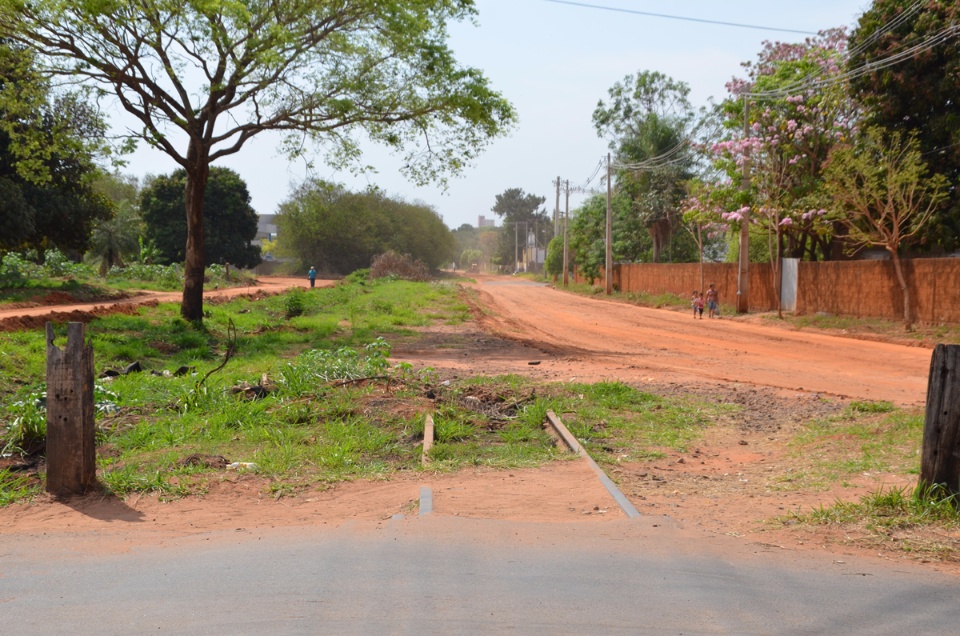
{"type": "Point", "coordinates": [932, 41]}
{"type": "Point", "coordinates": [678, 17]}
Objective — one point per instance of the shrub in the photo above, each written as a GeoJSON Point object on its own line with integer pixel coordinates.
{"type": "Point", "coordinates": [391, 264]}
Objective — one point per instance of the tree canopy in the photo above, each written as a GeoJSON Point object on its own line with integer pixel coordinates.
{"type": "Point", "coordinates": [230, 220]}
{"type": "Point", "coordinates": [338, 231]}
{"type": "Point", "coordinates": [46, 196]}
{"type": "Point", "coordinates": [648, 115]}
{"type": "Point", "coordinates": [515, 207]}
{"type": "Point", "coordinates": [216, 73]}
{"type": "Point", "coordinates": [919, 95]}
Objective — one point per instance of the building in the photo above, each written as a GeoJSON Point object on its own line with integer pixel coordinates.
{"type": "Point", "coordinates": [483, 221]}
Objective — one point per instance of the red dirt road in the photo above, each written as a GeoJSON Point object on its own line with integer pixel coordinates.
{"type": "Point", "coordinates": [594, 338]}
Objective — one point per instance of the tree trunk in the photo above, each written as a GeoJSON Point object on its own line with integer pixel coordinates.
{"type": "Point", "coordinates": [660, 233]}
{"type": "Point", "coordinates": [907, 318]}
{"type": "Point", "coordinates": [198, 171]}
{"type": "Point", "coordinates": [940, 455]}
{"type": "Point", "coordinates": [700, 247]}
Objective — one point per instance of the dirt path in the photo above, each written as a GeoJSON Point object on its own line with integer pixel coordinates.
{"type": "Point", "coordinates": [68, 311]}
{"type": "Point", "coordinates": [593, 338]}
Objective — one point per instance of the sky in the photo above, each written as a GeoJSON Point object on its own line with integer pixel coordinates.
{"type": "Point", "coordinates": [554, 62]}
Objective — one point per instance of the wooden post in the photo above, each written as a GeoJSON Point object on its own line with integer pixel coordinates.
{"type": "Point", "coordinates": [940, 455]}
{"type": "Point", "coordinates": [427, 438]}
{"type": "Point", "coordinates": [71, 452]}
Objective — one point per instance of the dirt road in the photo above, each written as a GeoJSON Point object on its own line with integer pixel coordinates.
{"type": "Point", "coordinates": [594, 338]}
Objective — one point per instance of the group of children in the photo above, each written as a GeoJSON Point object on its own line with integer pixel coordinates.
{"type": "Point", "coordinates": [712, 301]}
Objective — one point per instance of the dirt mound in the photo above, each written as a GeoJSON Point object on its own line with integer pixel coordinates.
{"type": "Point", "coordinates": [27, 323]}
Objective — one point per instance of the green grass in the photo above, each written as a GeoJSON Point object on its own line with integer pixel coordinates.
{"type": "Point", "coordinates": [867, 437]}
{"type": "Point", "coordinates": [614, 421]}
{"type": "Point", "coordinates": [920, 521]}
{"type": "Point", "coordinates": [307, 431]}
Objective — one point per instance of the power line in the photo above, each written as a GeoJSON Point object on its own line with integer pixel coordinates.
{"type": "Point", "coordinates": [678, 17]}
{"type": "Point", "coordinates": [812, 83]}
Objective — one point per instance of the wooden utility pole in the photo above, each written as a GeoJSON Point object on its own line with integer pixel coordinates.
{"type": "Point", "coordinates": [609, 238]}
{"type": "Point", "coordinates": [566, 222]}
{"type": "Point", "coordinates": [940, 452]}
{"type": "Point", "coordinates": [743, 270]}
{"type": "Point", "coordinates": [71, 451]}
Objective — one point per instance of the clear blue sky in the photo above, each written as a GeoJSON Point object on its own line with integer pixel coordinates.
{"type": "Point", "coordinates": [554, 62]}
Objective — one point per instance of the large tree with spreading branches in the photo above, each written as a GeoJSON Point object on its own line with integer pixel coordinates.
{"type": "Point", "coordinates": [203, 77]}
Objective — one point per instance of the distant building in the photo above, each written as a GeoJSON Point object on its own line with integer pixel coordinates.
{"type": "Point", "coordinates": [483, 221]}
{"type": "Point", "coordinates": [266, 228]}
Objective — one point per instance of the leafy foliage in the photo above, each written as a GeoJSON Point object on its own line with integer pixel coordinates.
{"type": "Point", "coordinates": [919, 95]}
{"type": "Point", "coordinates": [48, 144]}
{"type": "Point", "coordinates": [217, 74]}
{"type": "Point", "coordinates": [522, 217]}
{"type": "Point", "coordinates": [229, 220]}
{"type": "Point", "coordinates": [649, 115]}
{"type": "Point", "coordinates": [339, 231]}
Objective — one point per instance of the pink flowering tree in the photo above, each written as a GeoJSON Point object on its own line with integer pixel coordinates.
{"type": "Point", "coordinates": [796, 116]}
{"type": "Point", "coordinates": [703, 216]}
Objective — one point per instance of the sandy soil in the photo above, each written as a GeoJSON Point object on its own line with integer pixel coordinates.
{"type": "Point", "coordinates": [721, 487]}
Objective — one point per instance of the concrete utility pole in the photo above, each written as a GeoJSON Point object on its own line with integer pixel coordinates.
{"type": "Point", "coordinates": [743, 269]}
{"type": "Point", "coordinates": [566, 222]}
{"type": "Point", "coordinates": [556, 211]}
{"type": "Point", "coordinates": [516, 245]}
{"type": "Point", "coordinates": [609, 266]}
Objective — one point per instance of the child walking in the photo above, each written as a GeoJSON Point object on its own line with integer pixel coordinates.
{"type": "Point", "coordinates": [694, 301]}
{"type": "Point", "coordinates": [700, 305]}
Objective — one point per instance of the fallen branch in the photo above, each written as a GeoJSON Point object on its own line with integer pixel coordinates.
{"type": "Point", "coordinates": [358, 380]}
{"type": "Point", "coordinates": [231, 348]}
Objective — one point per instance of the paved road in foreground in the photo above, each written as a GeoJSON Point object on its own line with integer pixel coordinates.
{"type": "Point", "coordinates": [449, 575]}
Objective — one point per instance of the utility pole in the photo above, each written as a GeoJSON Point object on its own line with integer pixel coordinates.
{"type": "Point", "coordinates": [556, 211]}
{"type": "Point", "coordinates": [516, 245]}
{"type": "Point", "coordinates": [743, 269]}
{"type": "Point", "coordinates": [609, 266]}
{"type": "Point", "coordinates": [566, 222]}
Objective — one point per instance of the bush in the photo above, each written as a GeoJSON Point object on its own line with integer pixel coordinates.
{"type": "Point", "coordinates": [15, 271]}
{"type": "Point", "coordinates": [391, 264]}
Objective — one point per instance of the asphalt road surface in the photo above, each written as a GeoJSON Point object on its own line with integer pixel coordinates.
{"type": "Point", "coordinates": [446, 575]}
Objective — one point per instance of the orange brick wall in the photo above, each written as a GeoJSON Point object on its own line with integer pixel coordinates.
{"type": "Point", "coordinates": [846, 288]}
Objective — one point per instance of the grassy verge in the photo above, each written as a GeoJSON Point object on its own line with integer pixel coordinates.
{"type": "Point", "coordinates": [876, 328]}
{"type": "Point", "coordinates": [614, 421]}
{"type": "Point", "coordinates": [871, 438]}
{"type": "Point", "coordinates": [331, 407]}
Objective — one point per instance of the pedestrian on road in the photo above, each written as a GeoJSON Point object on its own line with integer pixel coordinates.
{"type": "Point", "coordinates": [312, 275]}
{"type": "Point", "coordinates": [700, 305]}
{"type": "Point", "coordinates": [713, 302]}
{"type": "Point", "coordinates": [693, 303]}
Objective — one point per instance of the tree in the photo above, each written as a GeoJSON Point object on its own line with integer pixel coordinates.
{"type": "Point", "coordinates": [649, 116]}
{"type": "Point", "coordinates": [919, 94]}
{"type": "Point", "coordinates": [46, 196]}
{"type": "Point", "coordinates": [230, 220]}
{"type": "Point", "coordinates": [586, 237]}
{"type": "Point", "coordinates": [217, 73]}
{"type": "Point", "coordinates": [339, 231]}
{"type": "Point", "coordinates": [884, 196]}
{"type": "Point", "coordinates": [118, 237]}
{"type": "Point", "coordinates": [522, 215]}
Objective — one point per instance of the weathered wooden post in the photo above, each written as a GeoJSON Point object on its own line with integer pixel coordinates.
{"type": "Point", "coordinates": [940, 455]}
{"type": "Point", "coordinates": [71, 452]}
